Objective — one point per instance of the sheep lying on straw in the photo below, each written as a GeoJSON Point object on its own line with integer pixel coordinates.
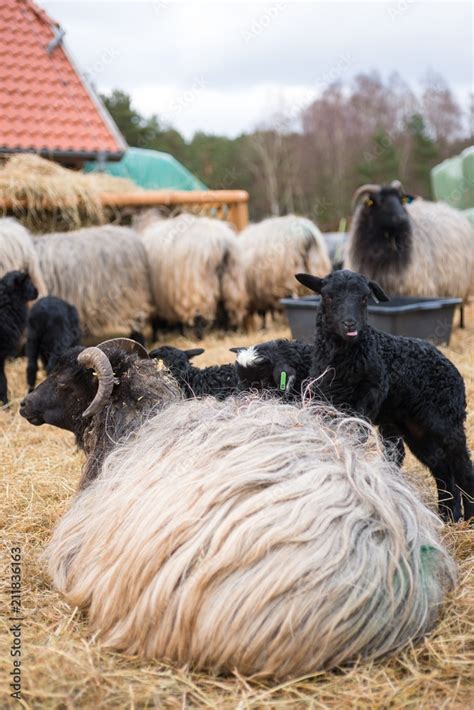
{"type": "Point", "coordinates": [17, 253]}
{"type": "Point", "coordinates": [416, 248]}
{"type": "Point", "coordinates": [252, 536]}
{"type": "Point", "coordinates": [103, 272]}
{"type": "Point", "coordinates": [196, 269]}
{"type": "Point", "coordinates": [273, 252]}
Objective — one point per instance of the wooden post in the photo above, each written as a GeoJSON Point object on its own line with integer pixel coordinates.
{"type": "Point", "coordinates": [239, 215]}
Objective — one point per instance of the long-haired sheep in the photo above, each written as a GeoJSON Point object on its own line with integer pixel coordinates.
{"type": "Point", "coordinates": [273, 251]}
{"type": "Point", "coordinates": [196, 271]}
{"type": "Point", "coordinates": [17, 253]}
{"type": "Point", "coordinates": [410, 247]}
{"type": "Point", "coordinates": [102, 271]}
{"type": "Point", "coordinates": [271, 539]}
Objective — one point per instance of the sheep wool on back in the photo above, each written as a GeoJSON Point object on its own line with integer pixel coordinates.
{"type": "Point", "coordinates": [272, 539]}
{"type": "Point", "coordinates": [17, 253]}
{"type": "Point", "coordinates": [102, 271]}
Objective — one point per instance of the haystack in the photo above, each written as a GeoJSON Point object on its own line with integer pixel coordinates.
{"type": "Point", "coordinates": [46, 197]}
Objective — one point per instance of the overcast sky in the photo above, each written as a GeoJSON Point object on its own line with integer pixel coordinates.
{"type": "Point", "coordinates": [224, 67]}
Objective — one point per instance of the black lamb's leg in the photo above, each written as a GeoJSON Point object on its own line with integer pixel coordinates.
{"type": "Point", "coordinates": [3, 384]}
{"type": "Point", "coordinates": [32, 353]}
{"type": "Point", "coordinates": [433, 452]}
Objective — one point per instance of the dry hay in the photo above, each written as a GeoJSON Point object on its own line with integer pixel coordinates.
{"type": "Point", "coordinates": [41, 182]}
{"type": "Point", "coordinates": [64, 668]}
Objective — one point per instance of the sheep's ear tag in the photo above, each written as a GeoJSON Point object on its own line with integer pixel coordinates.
{"type": "Point", "coordinates": [283, 381]}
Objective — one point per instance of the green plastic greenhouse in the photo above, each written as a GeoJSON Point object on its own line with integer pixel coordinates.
{"type": "Point", "coordinates": [453, 182]}
{"type": "Point", "coordinates": [151, 170]}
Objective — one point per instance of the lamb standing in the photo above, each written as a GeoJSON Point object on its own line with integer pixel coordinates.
{"type": "Point", "coordinates": [16, 289]}
{"type": "Point", "coordinates": [404, 385]}
{"type": "Point", "coordinates": [53, 327]}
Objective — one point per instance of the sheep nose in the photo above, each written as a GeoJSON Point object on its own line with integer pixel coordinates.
{"type": "Point", "coordinates": [349, 324]}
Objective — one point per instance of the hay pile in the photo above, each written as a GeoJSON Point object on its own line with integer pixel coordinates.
{"type": "Point", "coordinates": [41, 182]}
{"type": "Point", "coordinates": [64, 668]}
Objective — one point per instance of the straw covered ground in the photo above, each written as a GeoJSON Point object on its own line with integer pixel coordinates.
{"type": "Point", "coordinates": [63, 667]}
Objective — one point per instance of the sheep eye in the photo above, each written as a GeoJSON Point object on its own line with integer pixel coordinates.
{"type": "Point", "coordinates": [365, 300]}
{"type": "Point", "coordinates": [369, 202]}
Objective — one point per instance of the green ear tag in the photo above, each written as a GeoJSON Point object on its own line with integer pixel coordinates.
{"type": "Point", "coordinates": [283, 381]}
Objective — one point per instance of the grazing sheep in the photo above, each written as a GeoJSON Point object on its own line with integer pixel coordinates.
{"type": "Point", "coordinates": [16, 289]}
{"type": "Point", "coordinates": [405, 385]}
{"type": "Point", "coordinates": [411, 247]}
{"type": "Point", "coordinates": [277, 365]}
{"type": "Point", "coordinates": [53, 327]}
{"type": "Point", "coordinates": [240, 535]}
{"type": "Point", "coordinates": [274, 250]}
{"type": "Point", "coordinates": [219, 381]}
{"type": "Point", "coordinates": [196, 271]}
{"type": "Point", "coordinates": [103, 272]}
{"type": "Point", "coordinates": [17, 253]}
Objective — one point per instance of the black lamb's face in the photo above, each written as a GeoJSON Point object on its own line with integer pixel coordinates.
{"type": "Point", "coordinates": [386, 208]}
{"type": "Point", "coordinates": [344, 302]}
{"type": "Point", "coordinates": [21, 282]}
{"type": "Point", "coordinates": [344, 298]}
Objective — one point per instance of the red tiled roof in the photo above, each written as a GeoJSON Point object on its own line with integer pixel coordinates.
{"type": "Point", "coordinates": [45, 105]}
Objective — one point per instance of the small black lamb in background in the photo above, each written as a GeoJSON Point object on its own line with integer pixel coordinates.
{"type": "Point", "coordinates": [405, 385]}
{"type": "Point", "coordinates": [16, 289]}
{"type": "Point", "coordinates": [53, 327]}
{"type": "Point", "coordinates": [219, 381]}
{"type": "Point", "coordinates": [276, 365]}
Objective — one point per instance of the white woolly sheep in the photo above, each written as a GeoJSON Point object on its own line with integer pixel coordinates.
{"type": "Point", "coordinates": [196, 270]}
{"type": "Point", "coordinates": [102, 271]}
{"type": "Point", "coordinates": [274, 250]}
{"type": "Point", "coordinates": [17, 253]}
{"type": "Point", "coordinates": [245, 534]}
{"type": "Point", "coordinates": [410, 247]}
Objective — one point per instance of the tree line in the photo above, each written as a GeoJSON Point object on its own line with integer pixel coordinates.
{"type": "Point", "coordinates": [309, 159]}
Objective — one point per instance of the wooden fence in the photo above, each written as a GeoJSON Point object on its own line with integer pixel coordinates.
{"type": "Point", "coordinates": [231, 205]}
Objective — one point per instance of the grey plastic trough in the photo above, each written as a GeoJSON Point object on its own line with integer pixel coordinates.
{"type": "Point", "coordinates": [427, 318]}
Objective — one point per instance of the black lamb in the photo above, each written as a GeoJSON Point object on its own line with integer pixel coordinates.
{"type": "Point", "coordinates": [219, 381]}
{"type": "Point", "coordinates": [53, 327]}
{"type": "Point", "coordinates": [404, 385]}
{"type": "Point", "coordinates": [16, 289]}
{"type": "Point", "coordinates": [276, 365]}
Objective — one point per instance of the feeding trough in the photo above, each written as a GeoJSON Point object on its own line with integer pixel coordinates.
{"type": "Point", "coordinates": [427, 318]}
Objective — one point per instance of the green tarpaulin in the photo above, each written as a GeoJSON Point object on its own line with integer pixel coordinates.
{"type": "Point", "coordinates": [453, 180]}
{"type": "Point", "coordinates": [151, 170]}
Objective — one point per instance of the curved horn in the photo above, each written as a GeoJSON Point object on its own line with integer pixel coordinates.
{"type": "Point", "coordinates": [96, 359]}
{"type": "Point", "coordinates": [362, 190]}
{"type": "Point", "coordinates": [126, 344]}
